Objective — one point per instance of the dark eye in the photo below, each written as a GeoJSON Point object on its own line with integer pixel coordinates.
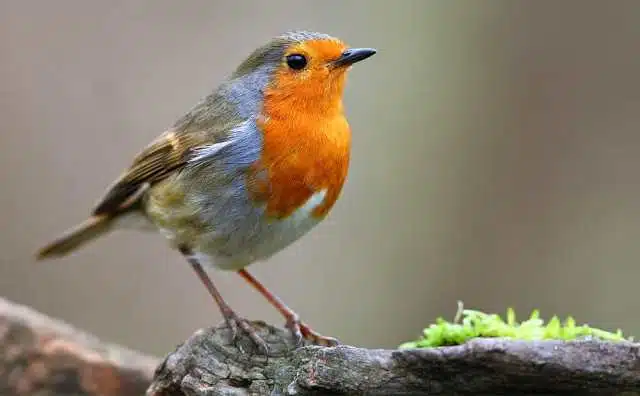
{"type": "Point", "coordinates": [296, 61]}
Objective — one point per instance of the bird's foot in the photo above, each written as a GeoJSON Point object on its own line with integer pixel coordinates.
{"type": "Point", "coordinates": [300, 331]}
{"type": "Point", "coordinates": [238, 325]}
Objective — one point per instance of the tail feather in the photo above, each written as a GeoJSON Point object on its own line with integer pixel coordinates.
{"type": "Point", "coordinates": [75, 237]}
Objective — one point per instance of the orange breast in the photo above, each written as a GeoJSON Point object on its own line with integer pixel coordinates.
{"type": "Point", "coordinates": [305, 151]}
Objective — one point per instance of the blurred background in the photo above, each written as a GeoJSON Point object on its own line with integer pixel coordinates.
{"type": "Point", "coordinates": [495, 160]}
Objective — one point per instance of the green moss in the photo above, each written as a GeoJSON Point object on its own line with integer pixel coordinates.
{"type": "Point", "coordinates": [469, 324]}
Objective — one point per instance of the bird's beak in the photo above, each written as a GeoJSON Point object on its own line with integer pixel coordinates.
{"type": "Point", "coordinates": [351, 56]}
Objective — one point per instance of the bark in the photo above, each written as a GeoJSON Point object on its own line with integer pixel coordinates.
{"type": "Point", "coordinates": [207, 364]}
{"type": "Point", "coordinates": [45, 357]}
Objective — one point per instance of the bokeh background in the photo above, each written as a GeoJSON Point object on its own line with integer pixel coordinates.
{"type": "Point", "coordinates": [495, 160]}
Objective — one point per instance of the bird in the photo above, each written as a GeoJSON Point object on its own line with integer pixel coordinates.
{"type": "Point", "coordinates": [253, 166]}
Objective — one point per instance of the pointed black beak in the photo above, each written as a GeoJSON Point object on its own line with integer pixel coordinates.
{"type": "Point", "coordinates": [353, 55]}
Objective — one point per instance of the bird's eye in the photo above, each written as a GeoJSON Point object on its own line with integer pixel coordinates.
{"type": "Point", "coordinates": [296, 61]}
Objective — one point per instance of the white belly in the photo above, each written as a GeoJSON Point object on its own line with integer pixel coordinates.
{"type": "Point", "coordinates": [245, 236]}
{"type": "Point", "coordinates": [273, 236]}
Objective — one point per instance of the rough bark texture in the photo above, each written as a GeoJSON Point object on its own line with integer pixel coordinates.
{"type": "Point", "coordinates": [44, 357]}
{"type": "Point", "coordinates": [207, 364]}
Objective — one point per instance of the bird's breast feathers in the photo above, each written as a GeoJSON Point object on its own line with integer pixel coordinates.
{"type": "Point", "coordinates": [253, 194]}
{"type": "Point", "coordinates": [300, 159]}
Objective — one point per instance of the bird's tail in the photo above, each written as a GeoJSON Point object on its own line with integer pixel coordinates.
{"type": "Point", "coordinates": [72, 239]}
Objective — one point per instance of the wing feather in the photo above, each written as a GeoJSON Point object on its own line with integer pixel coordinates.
{"type": "Point", "coordinates": [164, 155]}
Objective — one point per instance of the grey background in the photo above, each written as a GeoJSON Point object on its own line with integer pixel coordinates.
{"type": "Point", "coordinates": [495, 160]}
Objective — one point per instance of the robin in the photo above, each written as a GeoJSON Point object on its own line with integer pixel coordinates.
{"type": "Point", "coordinates": [247, 171]}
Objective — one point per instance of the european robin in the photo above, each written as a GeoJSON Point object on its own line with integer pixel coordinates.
{"type": "Point", "coordinates": [247, 171]}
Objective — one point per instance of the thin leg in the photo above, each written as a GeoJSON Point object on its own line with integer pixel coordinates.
{"type": "Point", "coordinates": [298, 329]}
{"type": "Point", "coordinates": [233, 320]}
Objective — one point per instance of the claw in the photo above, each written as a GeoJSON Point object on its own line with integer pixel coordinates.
{"type": "Point", "coordinates": [317, 338]}
{"type": "Point", "coordinates": [233, 327]}
{"type": "Point", "coordinates": [300, 331]}
{"type": "Point", "coordinates": [251, 332]}
{"type": "Point", "coordinates": [293, 324]}
{"type": "Point", "coordinates": [237, 325]}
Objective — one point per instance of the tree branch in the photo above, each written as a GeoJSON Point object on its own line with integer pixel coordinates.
{"type": "Point", "coordinates": [43, 356]}
{"type": "Point", "coordinates": [46, 357]}
{"type": "Point", "coordinates": [206, 364]}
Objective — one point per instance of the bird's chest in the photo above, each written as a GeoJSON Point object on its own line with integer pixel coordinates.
{"type": "Point", "coordinates": [239, 214]}
{"type": "Point", "coordinates": [299, 160]}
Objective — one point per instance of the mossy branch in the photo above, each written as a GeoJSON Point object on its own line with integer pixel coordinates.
{"type": "Point", "coordinates": [39, 355]}
{"type": "Point", "coordinates": [469, 324]}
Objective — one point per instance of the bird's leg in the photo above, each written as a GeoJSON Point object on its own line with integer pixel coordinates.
{"type": "Point", "coordinates": [298, 329]}
{"type": "Point", "coordinates": [233, 320]}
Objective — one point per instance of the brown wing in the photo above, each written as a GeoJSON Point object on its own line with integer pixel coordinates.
{"type": "Point", "coordinates": [164, 155]}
